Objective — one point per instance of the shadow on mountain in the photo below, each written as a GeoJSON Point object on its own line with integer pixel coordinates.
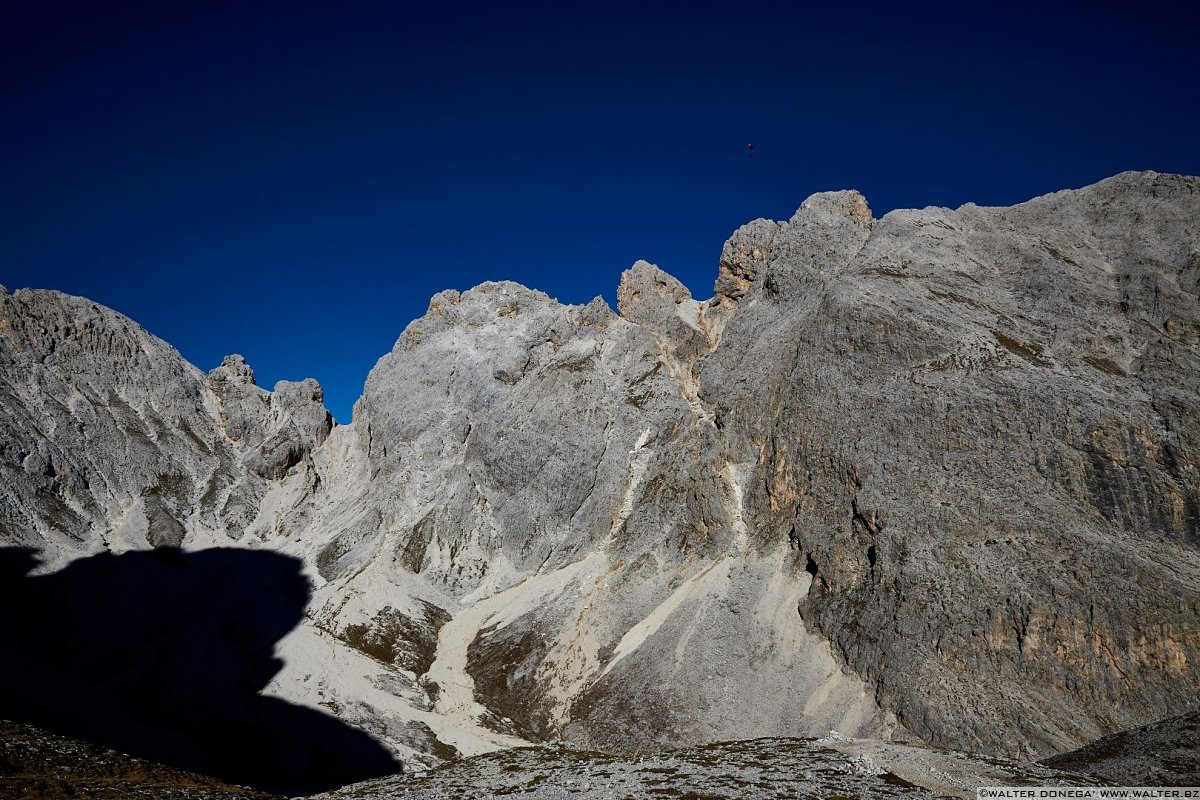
{"type": "Point", "coordinates": [162, 654]}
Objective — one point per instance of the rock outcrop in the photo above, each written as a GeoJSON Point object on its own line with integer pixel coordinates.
{"type": "Point", "coordinates": [111, 440]}
{"type": "Point", "coordinates": [932, 475]}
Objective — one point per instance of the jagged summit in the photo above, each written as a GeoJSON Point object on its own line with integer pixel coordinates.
{"type": "Point", "coordinates": [887, 480]}
{"type": "Point", "coordinates": [233, 369]}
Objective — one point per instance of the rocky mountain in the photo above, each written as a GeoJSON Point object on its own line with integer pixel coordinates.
{"type": "Point", "coordinates": [930, 477]}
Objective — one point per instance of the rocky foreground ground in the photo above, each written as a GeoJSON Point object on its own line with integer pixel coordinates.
{"type": "Point", "coordinates": [36, 765]}
{"type": "Point", "coordinates": [759, 769]}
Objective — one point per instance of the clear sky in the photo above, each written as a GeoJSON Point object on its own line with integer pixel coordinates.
{"type": "Point", "coordinates": [293, 180]}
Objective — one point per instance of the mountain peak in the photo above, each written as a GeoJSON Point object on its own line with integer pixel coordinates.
{"type": "Point", "coordinates": [234, 370]}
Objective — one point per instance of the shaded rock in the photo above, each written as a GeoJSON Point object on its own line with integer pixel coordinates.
{"type": "Point", "coordinates": [37, 763]}
{"type": "Point", "coordinates": [1166, 753]}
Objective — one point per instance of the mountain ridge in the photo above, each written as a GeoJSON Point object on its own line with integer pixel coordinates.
{"type": "Point", "coordinates": [876, 482]}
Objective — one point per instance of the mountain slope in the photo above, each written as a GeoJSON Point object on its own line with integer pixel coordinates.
{"type": "Point", "coordinates": [1165, 753]}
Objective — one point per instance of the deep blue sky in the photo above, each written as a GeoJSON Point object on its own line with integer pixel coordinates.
{"type": "Point", "coordinates": [292, 181]}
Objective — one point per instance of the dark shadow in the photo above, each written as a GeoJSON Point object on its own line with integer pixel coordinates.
{"type": "Point", "coordinates": [162, 654]}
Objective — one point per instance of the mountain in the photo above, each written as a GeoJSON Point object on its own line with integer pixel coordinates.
{"type": "Point", "coordinates": [930, 477]}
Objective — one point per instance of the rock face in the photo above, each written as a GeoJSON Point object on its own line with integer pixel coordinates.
{"type": "Point", "coordinates": [929, 475]}
{"type": "Point", "coordinates": [979, 428]}
{"type": "Point", "coordinates": [111, 440]}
